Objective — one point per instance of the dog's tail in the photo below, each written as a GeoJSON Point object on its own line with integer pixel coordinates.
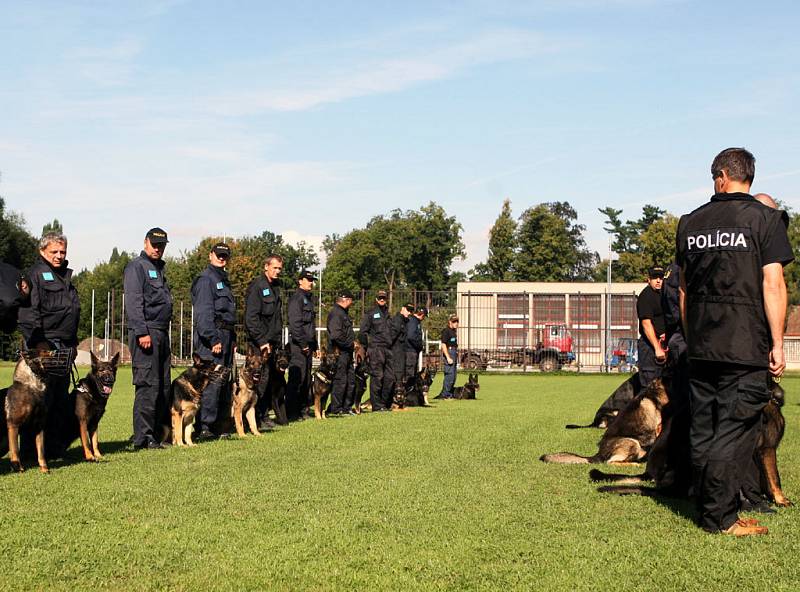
{"type": "Point", "coordinates": [566, 458]}
{"type": "Point", "coordinates": [574, 426]}
{"type": "Point", "coordinates": [619, 478]}
{"type": "Point", "coordinates": [628, 490]}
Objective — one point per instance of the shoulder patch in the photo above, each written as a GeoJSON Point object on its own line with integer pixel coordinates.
{"type": "Point", "coordinates": [667, 273]}
{"type": "Point", "coordinates": [220, 285]}
{"type": "Point", "coordinates": [47, 276]}
{"type": "Point", "coordinates": [305, 300]}
{"type": "Point", "coordinates": [152, 273]}
{"type": "Point", "coordinates": [265, 292]}
{"type": "Point", "coordinates": [377, 315]}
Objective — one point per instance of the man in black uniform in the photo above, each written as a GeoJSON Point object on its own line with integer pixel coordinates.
{"type": "Point", "coordinates": [15, 291]}
{"type": "Point", "coordinates": [148, 304]}
{"type": "Point", "coordinates": [733, 303]}
{"type": "Point", "coordinates": [376, 335]}
{"type": "Point", "coordinates": [399, 332]}
{"type": "Point", "coordinates": [414, 344]}
{"type": "Point", "coordinates": [51, 322]}
{"type": "Point", "coordinates": [303, 344]}
{"type": "Point", "coordinates": [214, 329]}
{"type": "Point", "coordinates": [448, 345]}
{"type": "Point", "coordinates": [651, 328]}
{"type": "Point", "coordinates": [342, 337]}
{"type": "Point", "coordinates": [263, 319]}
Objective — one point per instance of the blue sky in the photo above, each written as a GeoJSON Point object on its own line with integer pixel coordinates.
{"type": "Point", "coordinates": [309, 118]}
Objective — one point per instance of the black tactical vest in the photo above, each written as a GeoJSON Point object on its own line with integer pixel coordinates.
{"type": "Point", "coordinates": [719, 248]}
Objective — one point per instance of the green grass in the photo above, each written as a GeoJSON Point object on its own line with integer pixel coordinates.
{"type": "Point", "coordinates": [447, 498]}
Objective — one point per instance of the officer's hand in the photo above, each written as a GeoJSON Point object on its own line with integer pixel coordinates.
{"type": "Point", "coordinates": [306, 350]}
{"type": "Point", "coordinates": [145, 342]}
{"type": "Point", "coordinates": [661, 355]}
{"type": "Point", "coordinates": [777, 363]}
{"type": "Point", "coordinates": [24, 288]}
{"type": "Point", "coordinates": [216, 348]}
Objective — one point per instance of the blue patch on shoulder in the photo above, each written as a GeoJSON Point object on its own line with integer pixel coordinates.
{"type": "Point", "coordinates": [377, 315]}
{"type": "Point", "coordinates": [47, 276]}
{"type": "Point", "coordinates": [220, 285]}
{"type": "Point", "coordinates": [452, 339]}
{"type": "Point", "coordinates": [152, 273]}
{"type": "Point", "coordinates": [265, 292]}
{"type": "Point", "coordinates": [305, 300]}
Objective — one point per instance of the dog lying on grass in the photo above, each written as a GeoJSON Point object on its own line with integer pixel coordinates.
{"type": "Point", "coordinates": [631, 434]}
{"type": "Point", "coordinates": [469, 390]}
{"type": "Point", "coordinates": [616, 402]}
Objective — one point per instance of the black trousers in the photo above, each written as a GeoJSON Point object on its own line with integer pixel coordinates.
{"type": "Point", "coordinates": [726, 404]}
{"type": "Point", "coordinates": [298, 384]}
{"type": "Point", "coordinates": [343, 384]}
{"type": "Point", "coordinates": [649, 369]}
{"type": "Point", "coordinates": [152, 382]}
{"type": "Point", "coordinates": [210, 402]}
{"type": "Point", "coordinates": [381, 377]}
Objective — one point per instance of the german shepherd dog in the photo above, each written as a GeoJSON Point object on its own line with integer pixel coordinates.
{"type": "Point", "coordinates": [245, 390]}
{"type": "Point", "coordinates": [616, 402]}
{"type": "Point", "coordinates": [277, 383]}
{"type": "Point", "coordinates": [468, 390]}
{"type": "Point", "coordinates": [187, 391]}
{"type": "Point", "coordinates": [25, 405]}
{"type": "Point", "coordinates": [399, 396]}
{"type": "Point", "coordinates": [663, 475]}
{"type": "Point", "coordinates": [360, 375]}
{"type": "Point", "coordinates": [418, 386]}
{"type": "Point", "coordinates": [89, 399]}
{"type": "Point", "coordinates": [631, 435]}
{"type": "Point", "coordinates": [322, 382]}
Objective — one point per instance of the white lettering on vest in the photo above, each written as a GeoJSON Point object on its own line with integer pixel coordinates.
{"type": "Point", "coordinates": [715, 240]}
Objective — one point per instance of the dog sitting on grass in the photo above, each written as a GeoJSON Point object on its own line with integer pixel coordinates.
{"type": "Point", "coordinates": [187, 391]}
{"type": "Point", "coordinates": [322, 382]}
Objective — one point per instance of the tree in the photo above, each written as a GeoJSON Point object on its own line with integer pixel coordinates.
{"type": "Point", "coordinates": [550, 246]}
{"type": "Point", "coordinates": [792, 271]}
{"type": "Point", "coordinates": [54, 226]}
{"type": "Point", "coordinates": [499, 264]}
{"type": "Point", "coordinates": [17, 246]}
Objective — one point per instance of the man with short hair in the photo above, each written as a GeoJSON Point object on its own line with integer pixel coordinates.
{"type": "Point", "coordinates": [399, 324]}
{"type": "Point", "coordinates": [50, 322]}
{"type": "Point", "coordinates": [263, 319]}
{"type": "Point", "coordinates": [342, 338]}
{"type": "Point", "coordinates": [148, 307]}
{"type": "Point", "coordinates": [214, 329]}
{"type": "Point", "coordinates": [414, 343]}
{"type": "Point", "coordinates": [376, 335]}
{"type": "Point", "coordinates": [303, 345]}
{"type": "Point", "coordinates": [449, 348]}
{"type": "Point", "coordinates": [732, 251]}
{"type": "Point", "coordinates": [651, 328]}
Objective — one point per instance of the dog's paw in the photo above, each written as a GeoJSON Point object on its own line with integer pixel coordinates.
{"type": "Point", "coordinates": [17, 466]}
{"type": "Point", "coordinates": [44, 469]}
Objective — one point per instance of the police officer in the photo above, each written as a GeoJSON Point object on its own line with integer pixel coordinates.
{"type": "Point", "coordinates": [449, 349]}
{"type": "Point", "coordinates": [263, 319]}
{"type": "Point", "coordinates": [214, 329]}
{"type": "Point", "coordinates": [399, 332]}
{"type": "Point", "coordinates": [342, 337]}
{"type": "Point", "coordinates": [376, 335]}
{"type": "Point", "coordinates": [148, 304]}
{"type": "Point", "coordinates": [303, 345]}
{"type": "Point", "coordinates": [15, 291]}
{"type": "Point", "coordinates": [651, 327]}
{"type": "Point", "coordinates": [733, 303]}
{"type": "Point", "coordinates": [414, 343]}
{"type": "Point", "coordinates": [51, 322]}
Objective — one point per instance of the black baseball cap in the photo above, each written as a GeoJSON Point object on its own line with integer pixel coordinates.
{"type": "Point", "coordinates": [307, 275]}
{"type": "Point", "coordinates": [655, 272]}
{"type": "Point", "coordinates": [409, 307]}
{"type": "Point", "coordinates": [345, 294]}
{"type": "Point", "coordinates": [422, 310]}
{"type": "Point", "coordinates": [221, 250]}
{"type": "Point", "coordinates": [157, 236]}
{"type": "Point", "coordinates": [380, 294]}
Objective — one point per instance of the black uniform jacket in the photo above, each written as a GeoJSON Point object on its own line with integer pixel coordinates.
{"type": "Point", "coordinates": [340, 329]}
{"type": "Point", "coordinates": [414, 335]}
{"type": "Point", "coordinates": [376, 326]}
{"type": "Point", "coordinates": [54, 309]}
{"type": "Point", "coordinates": [302, 322]}
{"type": "Point", "coordinates": [214, 309]}
{"type": "Point", "coordinates": [263, 311]}
{"type": "Point", "coordinates": [399, 332]}
{"type": "Point", "coordinates": [148, 302]}
{"type": "Point", "coordinates": [722, 247]}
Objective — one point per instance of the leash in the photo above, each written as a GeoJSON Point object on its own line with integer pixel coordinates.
{"type": "Point", "coordinates": [321, 377]}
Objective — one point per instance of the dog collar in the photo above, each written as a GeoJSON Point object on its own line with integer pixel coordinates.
{"type": "Point", "coordinates": [82, 388]}
{"type": "Point", "coordinates": [322, 377]}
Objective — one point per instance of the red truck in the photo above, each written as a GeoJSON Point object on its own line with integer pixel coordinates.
{"type": "Point", "coordinates": [553, 350]}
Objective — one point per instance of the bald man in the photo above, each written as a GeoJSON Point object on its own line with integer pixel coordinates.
{"type": "Point", "coordinates": [766, 200]}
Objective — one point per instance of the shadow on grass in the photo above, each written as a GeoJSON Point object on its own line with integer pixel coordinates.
{"type": "Point", "coordinates": [73, 456]}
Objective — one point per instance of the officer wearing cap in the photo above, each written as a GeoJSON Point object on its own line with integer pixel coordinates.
{"type": "Point", "coordinates": [51, 322]}
{"type": "Point", "coordinates": [148, 306]}
{"type": "Point", "coordinates": [263, 319]}
{"type": "Point", "coordinates": [302, 343]}
{"type": "Point", "coordinates": [341, 338]}
{"type": "Point", "coordinates": [732, 251]}
{"type": "Point", "coordinates": [449, 348]}
{"type": "Point", "coordinates": [399, 323]}
{"type": "Point", "coordinates": [15, 291]}
{"type": "Point", "coordinates": [214, 328]}
{"type": "Point", "coordinates": [414, 344]}
{"type": "Point", "coordinates": [651, 327]}
{"type": "Point", "coordinates": [376, 335]}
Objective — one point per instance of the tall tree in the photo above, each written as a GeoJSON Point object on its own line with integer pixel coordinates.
{"type": "Point", "coordinates": [54, 226]}
{"type": "Point", "coordinates": [550, 245]}
{"type": "Point", "coordinates": [499, 264]}
{"type": "Point", "coordinates": [18, 247]}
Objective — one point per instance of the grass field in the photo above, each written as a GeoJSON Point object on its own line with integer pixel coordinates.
{"type": "Point", "coordinates": [447, 498]}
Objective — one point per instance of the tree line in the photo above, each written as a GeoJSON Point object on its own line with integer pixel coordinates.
{"type": "Point", "coordinates": [406, 250]}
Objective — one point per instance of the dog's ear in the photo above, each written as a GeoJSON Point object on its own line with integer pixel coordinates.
{"type": "Point", "coordinates": [94, 359]}
{"type": "Point", "coordinates": [115, 360]}
{"type": "Point", "coordinates": [196, 359]}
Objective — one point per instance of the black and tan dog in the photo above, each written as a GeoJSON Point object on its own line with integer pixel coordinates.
{"type": "Point", "coordinates": [322, 382]}
{"type": "Point", "coordinates": [614, 404]}
{"type": "Point", "coordinates": [418, 386]}
{"type": "Point", "coordinates": [187, 391]}
{"type": "Point", "coordinates": [631, 435]}
{"type": "Point", "coordinates": [277, 383]}
{"type": "Point", "coordinates": [25, 404]}
{"type": "Point", "coordinates": [245, 391]}
{"type": "Point", "coordinates": [89, 400]}
{"type": "Point", "coordinates": [468, 391]}
{"type": "Point", "coordinates": [359, 375]}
